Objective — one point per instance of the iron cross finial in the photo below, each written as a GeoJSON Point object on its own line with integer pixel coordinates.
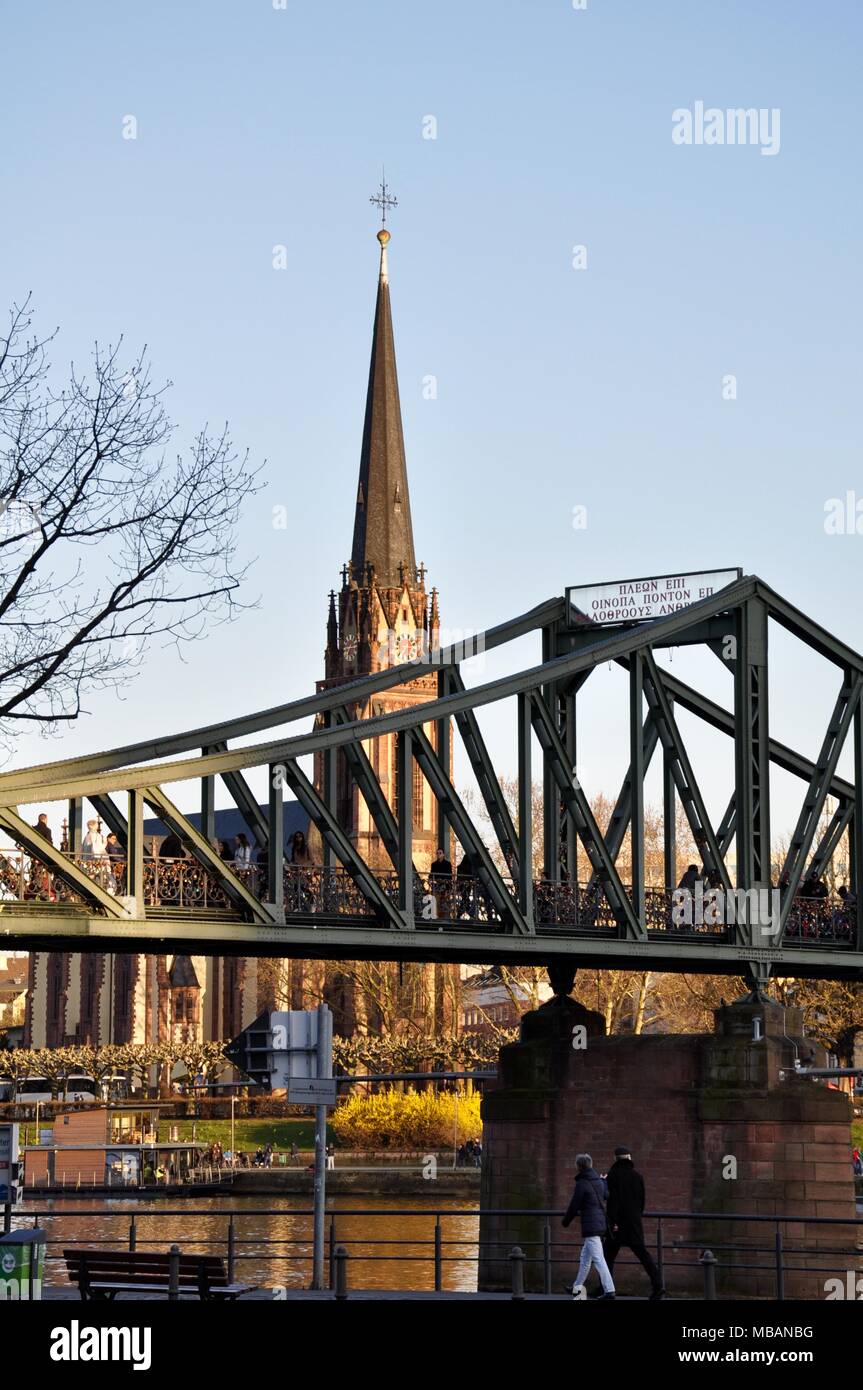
{"type": "Point", "coordinates": [383, 199]}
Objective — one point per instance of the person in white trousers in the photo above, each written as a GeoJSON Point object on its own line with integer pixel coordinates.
{"type": "Point", "coordinates": [588, 1203]}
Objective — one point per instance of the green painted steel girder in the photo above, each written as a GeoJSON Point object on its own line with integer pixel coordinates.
{"type": "Point", "coordinates": [328, 939]}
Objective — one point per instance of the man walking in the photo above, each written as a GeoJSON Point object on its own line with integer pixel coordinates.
{"type": "Point", "coordinates": [588, 1202]}
{"type": "Point", "coordinates": [625, 1210]}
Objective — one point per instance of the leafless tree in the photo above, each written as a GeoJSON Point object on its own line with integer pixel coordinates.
{"type": "Point", "coordinates": [109, 537]}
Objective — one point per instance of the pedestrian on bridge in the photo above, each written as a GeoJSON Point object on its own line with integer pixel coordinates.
{"type": "Point", "coordinates": [689, 879]}
{"type": "Point", "coordinates": [242, 852]}
{"type": "Point", "coordinates": [40, 878]}
{"type": "Point", "coordinates": [172, 848]}
{"type": "Point", "coordinates": [440, 875]}
{"type": "Point", "coordinates": [300, 852]}
{"type": "Point", "coordinates": [93, 845]}
{"type": "Point", "coordinates": [302, 874]}
{"type": "Point", "coordinates": [588, 1202]}
{"type": "Point", "coordinates": [625, 1211]}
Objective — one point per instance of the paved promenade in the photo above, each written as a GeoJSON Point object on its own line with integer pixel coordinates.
{"type": "Point", "coordinates": [64, 1295]}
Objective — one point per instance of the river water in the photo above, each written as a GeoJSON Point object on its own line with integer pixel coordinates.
{"type": "Point", "coordinates": [388, 1249]}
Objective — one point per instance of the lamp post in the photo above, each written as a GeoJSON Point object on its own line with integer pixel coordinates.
{"type": "Point", "coordinates": [455, 1128]}
{"type": "Point", "coordinates": [324, 1069]}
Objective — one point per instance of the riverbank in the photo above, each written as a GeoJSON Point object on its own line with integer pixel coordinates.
{"type": "Point", "coordinates": [366, 1175]}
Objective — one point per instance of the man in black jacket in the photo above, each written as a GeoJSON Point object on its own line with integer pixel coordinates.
{"type": "Point", "coordinates": [625, 1210]}
{"type": "Point", "coordinates": [588, 1202]}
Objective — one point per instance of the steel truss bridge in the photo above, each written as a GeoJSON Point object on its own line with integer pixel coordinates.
{"type": "Point", "coordinates": [343, 909]}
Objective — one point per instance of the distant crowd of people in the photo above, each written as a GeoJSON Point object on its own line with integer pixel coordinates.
{"type": "Point", "coordinates": [469, 1154]}
{"type": "Point", "coordinates": [262, 1157]}
{"type": "Point", "coordinates": [104, 858]}
{"type": "Point", "coordinates": [220, 1157]}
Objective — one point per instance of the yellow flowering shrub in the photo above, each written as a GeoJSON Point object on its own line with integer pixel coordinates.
{"type": "Point", "coordinates": [411, 1120]}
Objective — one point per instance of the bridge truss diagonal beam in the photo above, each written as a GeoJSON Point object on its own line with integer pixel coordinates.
{"type": "Point", "coordinates": [360, 767]}
{"type": "Point", "coordinates": [244, 799]}
{"type": "Point", "coordinates": [483, 770]}
{"type": "Point", "coordinates": [331, 831]}
{"type": "Point", "coordinates": [205, 854]}
{"type": "Point", "coordinates": [681, 770]}
{"type": "Point", "coordinates": [723, 720]}
{"type": "Point", "coordinates": [111, 815]}
{"type": "Point", "coordinates": [452, 805]}
{"type": "Point", "coordinates": [621, 816]}
{"type": "Point", "coordinates": [578, 807]}
{"type": "Point", "coordinates": [841, 720]}
{"type": "Point", "coordinates": [727, 826]}
{"type": "Point", "coordinates": [65, 869]}
{"type": "Point", "coordinates": [828, 844]}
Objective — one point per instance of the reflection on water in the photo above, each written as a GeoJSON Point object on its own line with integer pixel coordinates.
{"type": "Point", "coordinates": [393, 1251]}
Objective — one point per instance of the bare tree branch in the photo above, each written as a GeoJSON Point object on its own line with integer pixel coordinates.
{"type": "Point", "coordinates": [108, 539]}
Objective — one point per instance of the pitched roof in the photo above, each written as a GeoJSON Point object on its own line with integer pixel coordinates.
{"type": "Point", "coordinates": [229, 822]}
{"type": "Point", "coordinates": [383, 535]}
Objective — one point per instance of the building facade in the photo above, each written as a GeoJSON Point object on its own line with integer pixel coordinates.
{"type": "Point", "coordinates": [13, 995]}
{"type": "Point", "coordinates": [99, 998]}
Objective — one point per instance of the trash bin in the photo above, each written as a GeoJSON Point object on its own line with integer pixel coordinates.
{"type": "Point", "coordinates": [22, 1264]}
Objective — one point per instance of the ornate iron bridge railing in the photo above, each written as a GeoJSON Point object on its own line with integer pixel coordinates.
{"type": "Point", "coordinates": [310, 891]}
{"type": "Point", "coordinates": [342, 907]}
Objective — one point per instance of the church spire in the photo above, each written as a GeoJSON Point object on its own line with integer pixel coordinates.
{"type": "Point", "coordinates": [383, 535]}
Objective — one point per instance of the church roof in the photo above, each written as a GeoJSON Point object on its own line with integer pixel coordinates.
{"type": "Point", "coordinates": [383, 535]}
{"type": "Point", "coordinates": [229, 822]}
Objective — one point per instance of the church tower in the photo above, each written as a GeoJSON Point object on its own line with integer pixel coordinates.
{"type": "Point", "coordinates": [383, 613]}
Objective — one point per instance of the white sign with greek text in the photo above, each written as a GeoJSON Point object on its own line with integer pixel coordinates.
{"type": "Point", "coordinates": [639, 600]}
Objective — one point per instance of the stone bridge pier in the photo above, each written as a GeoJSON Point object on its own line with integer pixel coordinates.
{"type": "Point", "coordinates": [712, 1128]}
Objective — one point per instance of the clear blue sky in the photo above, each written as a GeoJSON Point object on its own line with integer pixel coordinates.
{"type": "Point", "coordinates": [260, 126]}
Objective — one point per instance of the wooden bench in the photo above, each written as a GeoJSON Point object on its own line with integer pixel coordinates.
{"type": "Point", "coordinates": [106, 1273]}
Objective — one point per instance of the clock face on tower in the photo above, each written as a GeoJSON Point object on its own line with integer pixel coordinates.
{"type": "Point", "coordinates": [350, 648]}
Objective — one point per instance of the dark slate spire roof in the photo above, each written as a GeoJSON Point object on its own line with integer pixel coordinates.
{"type": "Point", "coordinates": [383, 535]}
{"type": "Point", "coordinates": [182, 974]}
